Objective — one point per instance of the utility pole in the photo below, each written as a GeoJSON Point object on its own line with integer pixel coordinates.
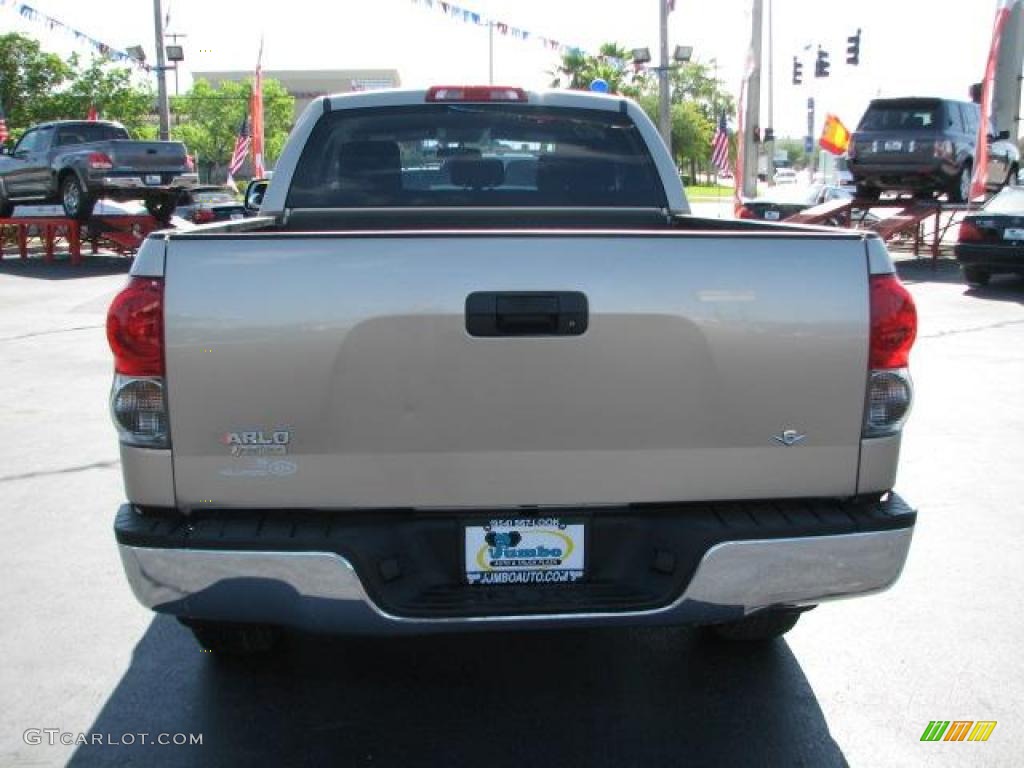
{"type": "Point", "coordinates": [163, 103]}
{"type": "Point", "coordinates": [769, 131]}
{"type": "Point", "coordinates": [752, 112]}
{"type": "Point", "coordinates": [664, 119]}
{"type": "Point", "coordinates": [490, 52]}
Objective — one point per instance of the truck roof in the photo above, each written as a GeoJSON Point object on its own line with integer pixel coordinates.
{"type": "Point", "coordinates": [57, 123]}
{"type": "Point", "coordinates": [399, 97]}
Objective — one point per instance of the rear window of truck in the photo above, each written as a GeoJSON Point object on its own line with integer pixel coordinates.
{"type": "Point", "coordinates": [85, 133]}
{"type": "Point", "coordinates": [475, 155]}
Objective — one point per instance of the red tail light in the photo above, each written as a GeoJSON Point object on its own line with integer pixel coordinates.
{"type": "Point", "coordinates": [190, 162]}
{"type": "Point", "coordinates": [742, 212]}
{"type": "Point", "coordinates": [203, 216]}
{"type": "Point", "coordinates": [893, 323]}
{"type": "Point", "coordinates": [135, 328]}
{"type": "Point", "coordinates": [100, 161]}
{"type": "Point", "coordinates": [970, 233]}
{"type": "Point", "coordinates": [475, 93]}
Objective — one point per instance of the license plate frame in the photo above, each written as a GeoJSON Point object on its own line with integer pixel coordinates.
{"type": "Point", "coordinates": [153, 179]}
{"type": "Point", "coordinates": [534, 551]}
{"type": "Point", "coordinates": [893, 145]}
{"type": "Point", "coordinates": [1013, 233]}
{"type": "Point", "coordinates": [772, 215]}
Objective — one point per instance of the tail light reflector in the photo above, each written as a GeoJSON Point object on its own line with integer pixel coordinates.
{"type": "Point", "coordinates": [100, 161]}
{"type": "Point", "coordinates": [203, 216]}
{"type": "Point", "coordinates": [135, 328]}
{"type": "Point", "coordinates": [893, 330]}
{"type": "Point", "coordinates": [742, 212]}
{"type": "Point", "coordinates": [893, 322]}
{"type": "Point", "coordinates": [970, 232]}
{"type": "Point", "coordinates": [135, 332]}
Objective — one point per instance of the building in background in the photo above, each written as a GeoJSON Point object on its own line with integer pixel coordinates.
{"type": "Point", "coordinates": [307, 85]}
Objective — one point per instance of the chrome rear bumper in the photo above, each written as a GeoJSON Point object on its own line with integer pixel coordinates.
{"type": "Point", "coordinates": [321, 591]}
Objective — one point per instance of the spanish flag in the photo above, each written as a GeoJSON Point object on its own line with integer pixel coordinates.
{"type": "Point", "coordinates": [835, 137]}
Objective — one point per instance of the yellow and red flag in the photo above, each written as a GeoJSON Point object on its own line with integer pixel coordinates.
{"type": "Point", "coordinates": [835, 137]}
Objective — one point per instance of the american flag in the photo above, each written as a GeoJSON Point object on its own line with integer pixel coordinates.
{"type": "Point", "coordinates": [720, 146]}
{"type": "Point", "coordinates": [242, 144]}
{"type": "Point", "coordinates": [4, 135]}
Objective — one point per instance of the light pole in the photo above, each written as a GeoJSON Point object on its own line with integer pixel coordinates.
{"type": "Point", "coordinates": [681, 55]}
{"type": "Point", "coordinates": [175, 53]}
{"type": "Point", "coordinates": [664, 118]}
{"type": "Point", "coordinates": [163, 102]}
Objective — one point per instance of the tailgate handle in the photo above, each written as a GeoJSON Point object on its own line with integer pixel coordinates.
{"type": "Point", "coordinates": [526, 313]}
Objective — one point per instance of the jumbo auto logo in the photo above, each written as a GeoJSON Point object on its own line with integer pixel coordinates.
{"type": "Point", "coordinates": [502, 550]}
{"type": "Point", "coordinates": [258, 442]}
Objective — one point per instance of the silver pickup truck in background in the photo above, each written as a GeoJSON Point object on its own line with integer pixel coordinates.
{"type": "Point", "coordinates": [476, 366]}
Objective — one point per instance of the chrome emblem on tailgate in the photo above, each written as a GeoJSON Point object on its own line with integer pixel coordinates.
{"type": "Point", "coordinates": [789, 437]}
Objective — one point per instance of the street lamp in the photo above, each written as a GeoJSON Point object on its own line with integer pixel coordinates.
{"type": "Point", "coordinates": [641, 55]}
{"type": "Point", "coordinates": [175, 53]}
{"type": "Point", "coordinates": [681, 55]}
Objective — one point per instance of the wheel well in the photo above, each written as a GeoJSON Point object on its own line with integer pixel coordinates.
{"type": "Point", "coordinates": [62, 174]}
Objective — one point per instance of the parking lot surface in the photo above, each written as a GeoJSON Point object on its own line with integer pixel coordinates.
{"type": "Point", "coordinates": [855, 683]}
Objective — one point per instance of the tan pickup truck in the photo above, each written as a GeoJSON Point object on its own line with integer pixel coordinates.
{"type": "Point", "coordinates": [475, 366]}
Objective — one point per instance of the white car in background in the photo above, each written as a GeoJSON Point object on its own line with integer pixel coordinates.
{"type": "Point", "coordinates": [785, 176]}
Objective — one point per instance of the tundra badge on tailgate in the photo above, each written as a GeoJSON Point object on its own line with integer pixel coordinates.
{"type": "Point", "coordinates": [258, 442]}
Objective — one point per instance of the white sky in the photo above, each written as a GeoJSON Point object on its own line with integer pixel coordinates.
{"type": "Point", "coordinates": [909, 47]}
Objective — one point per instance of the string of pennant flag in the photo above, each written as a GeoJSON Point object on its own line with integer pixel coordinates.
{"type": "Point", "coordinates": [467, 16]}
{"type": "Point", "coordinates": [56, 25]}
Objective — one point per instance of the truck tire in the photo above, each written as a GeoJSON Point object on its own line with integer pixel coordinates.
{"type": "Point", "coordinates": [229, 639]}
{"type": "Point", "coordinates": [78, 204]}
{"type": "Point", "coordinates": [161, 208]}
{"type": "Point", "coordinates": [975, 277]}
{"type": "Point", "coordinates": [960, 191]}
{"type": "Point", "coordinates": [758, 628]}
{"type": "Point", "coordinates": [1011, 177]}
{"type": "Point", "coordinates": [6, 207]}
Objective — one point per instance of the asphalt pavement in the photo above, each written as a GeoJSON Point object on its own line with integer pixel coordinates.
{"type": "Point", "coordinates": [855, 683]}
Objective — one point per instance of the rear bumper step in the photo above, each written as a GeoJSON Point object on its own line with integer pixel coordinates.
{"type": "Point", "coordinates": [323, 572]}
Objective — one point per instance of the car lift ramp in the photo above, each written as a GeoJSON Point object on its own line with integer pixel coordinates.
{"type": "Point", "coordinates": [910, 220]}
{"type": "Point", "coordinates": [121, 234]}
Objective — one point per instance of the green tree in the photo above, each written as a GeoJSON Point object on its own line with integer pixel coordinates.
{"type": "Point", "coordinates": [113, 92]}
{"type": "Point", "coordinates": [210, 118]}
{"type": "Point", "coordinates": [577, 71]}
{"type": "Point", "coordinates": [696, 95]}
{"type": "Point", "coordinates": [28, 78]}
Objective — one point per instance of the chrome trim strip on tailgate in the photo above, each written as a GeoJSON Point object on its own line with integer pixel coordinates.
{"type": "Point", "coordinates": [321, 590]}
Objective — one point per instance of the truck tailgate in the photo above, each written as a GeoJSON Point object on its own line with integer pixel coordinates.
{"type": "Point", "coordinates": [148, 155]}
{"type": "Point", "coordinates": [336, 371]}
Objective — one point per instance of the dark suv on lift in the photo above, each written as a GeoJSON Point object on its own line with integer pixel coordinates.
{"type": "Point", "coordinates": [925, 146]}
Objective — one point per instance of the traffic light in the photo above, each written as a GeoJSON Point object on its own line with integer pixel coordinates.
{"type": "Point", "coordinates": [853, 49]}
{"type": "Point", "coordinates": [798, 71]}
{"type": "Point", "coordinates": [822, 64]}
